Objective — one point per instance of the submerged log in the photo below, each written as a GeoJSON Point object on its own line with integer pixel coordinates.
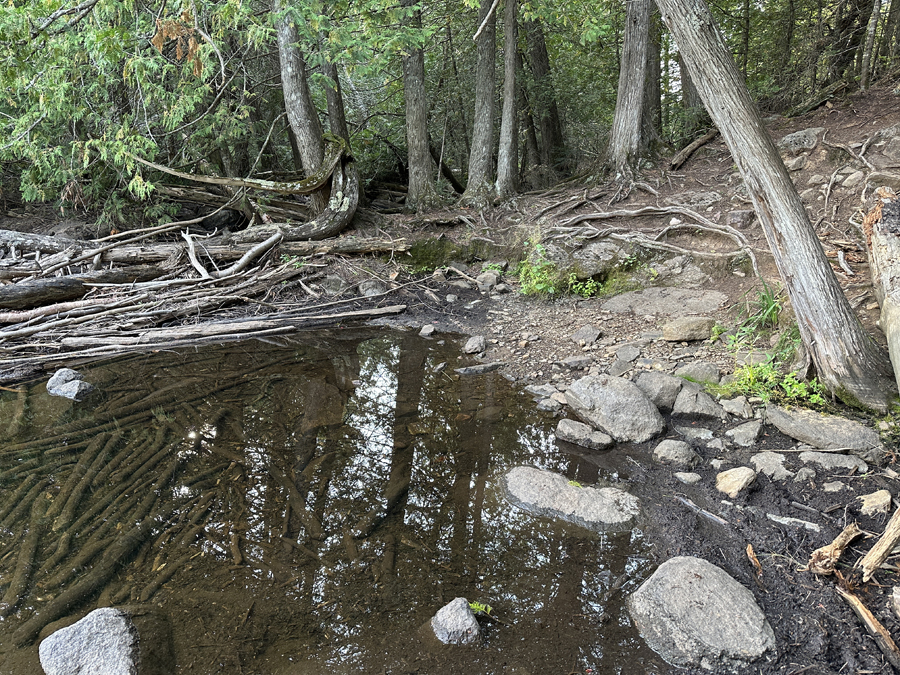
{"type": "Point", "coordinates": [882, 229]}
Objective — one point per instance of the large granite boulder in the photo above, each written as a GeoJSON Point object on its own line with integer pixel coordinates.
{"type": "Point", "coordinates": [693, 614]}
{"type": "Point", "coordinates": [616, 406]}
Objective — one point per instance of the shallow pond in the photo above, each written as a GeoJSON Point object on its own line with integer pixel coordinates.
{"type": "Point", "coordinates": [305, 506]}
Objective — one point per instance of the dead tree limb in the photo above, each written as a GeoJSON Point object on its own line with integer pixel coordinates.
{"type": "Point", "coordinates": [872, 560]}
{"type": "Point", "coordinates": [880, 634]}
{"type": "Point", "coordinates": [686, 152]}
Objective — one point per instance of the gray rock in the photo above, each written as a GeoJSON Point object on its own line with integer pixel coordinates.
{"type": "Point", "coordinates": [699, 371]}
{"type": "Point", "coordinates": [676, 453]}
{"type": "Point", "coordinates": [541, 390]}
{"type": "Point", "coordinates": [695, 198]}
{"type": "Point", "coordinates": [794, 522]}
{"type": "Point", "coordinates": [696, 433]}
{"type": "Point", "coordinates": [427, 330]}
{"type": "Point", "coordinates": [834, 486]}
{"type": "Point", "coordinates": [619, 367]}
{"type": "Point", "coordinates": [577, 362]}
{"type": "Point", "coordinates": [879, 179]}
{"type": "Point", "coordinates": [487, 281]}
{"type": "Point", "coordinates": [693, 614]}
{"type": "Point", "coordinates": [628, 353]}
{"type": "Point", "coordinates": [796, 163]}
{"type": "Point", "coordinates": [834, 461]}
{"type": "Point", "coordinates": [583, 435]}
{"type": "Point", "coordinates": [129, 640]}
{"type": "Point", "coordinates": [586, 335]}
{"type": "Point", "coordinates": [480, 368]}
{"type": "Point", "coordinates": [660, 388]}
{"type": "Point", "coordinates": [691, 400]}
{"type": "Point", "coordinates": [737, 406]}
{"type": "Point", "coordinates": [69, 384]}
{"type": "Point", "coordinates": [616, 406]}
{"type": "Point", "coordinates": [333, 285]}
{"type": "Point", "coordinates": [371, 287]}
{"type": "Point", "coordinates": [740, 219]}
{"type": "Point", "coordinates": [666, 301]}
{"type": "Point", "coordinates": [474, 345]}
{"type": "Point", "coordinates": [771, 464]}
{"type": "Point", "coordinates": [799, 141]}
{"type": "Point", "coordinates": [545, 493]}
{"type": "Point", "coordinates": [733, 481]}
{"type": "Point", "coordinates": [688, 328]}
{"type": "Point", "coordinates": [687, 478]}
{"type": "Point", "coordinates": [746, 434]}
{"type": "Point", "coordinates": [827, 432]}
{"type": "Point", "coordinates": [804, 473]}
{"type": "Point", "coordinates": [853, 179]}
{"type": "Point", "coordinates": [62, 376]}
{"type": "Point", "coordinates": [548, 405]}
{"type": "Point", "coordinates": [455, 624]}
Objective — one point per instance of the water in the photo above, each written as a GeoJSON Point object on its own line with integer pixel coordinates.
{"type": "Point", "coordinates": [311, 503]}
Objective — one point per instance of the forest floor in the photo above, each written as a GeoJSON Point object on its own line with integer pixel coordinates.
{"type": "Point", "coordinates": [815, 629]}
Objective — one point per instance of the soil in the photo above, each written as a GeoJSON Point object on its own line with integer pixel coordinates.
{"type": "Point", "coordinates": [815, 629]}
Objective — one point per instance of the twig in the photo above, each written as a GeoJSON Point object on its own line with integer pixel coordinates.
{"type": "Point", "coordinates": [875, 629]}
{"type": "Point", "coordinates": [486, 19]}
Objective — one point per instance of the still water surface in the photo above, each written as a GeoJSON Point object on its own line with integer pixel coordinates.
{"type": "Point", "coordinates": [305, 506]}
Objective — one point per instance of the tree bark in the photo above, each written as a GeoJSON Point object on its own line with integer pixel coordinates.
{"type": "Point", "coordinates": [334, 98]}
{"type": "Point", "coordinates": [421, 194]}
{"type": "Point", "coordinates": [651, 122]}
{"type": "Point", "coordinates": [479, 187]}
{"type": "Point", "coordinates": [870, 43]}
{"type": "Point", "coordinates": [301, 112]}
{"type": "Point", "coordinates": [552, 147]}
{"type": "Point", "coordinates": [508, 156]}
{"type": "Point", "coordinates": [848, 361]}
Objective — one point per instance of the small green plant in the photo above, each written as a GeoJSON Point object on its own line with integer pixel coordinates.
{"type": "Point", "coordinates": [538, 275]}
{"type": "Point", "coordinates": [479, 608]}
{"type": "Point", "coordinates": [294, 261]}
{"type": "Point", "coordinates": [762, 314]}
{"type": "Point", "coordinates": [586, 289]}
{"type": "Point", "coordinates": [492, 267]}
{"type": "Point", "coordinates": [575, 483]}
{"type": "Point", "coordinates": [766, 381]}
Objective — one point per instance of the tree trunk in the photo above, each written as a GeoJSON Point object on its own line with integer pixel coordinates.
{"type": "Point", "coordinates": [651, 123]}
{"type": "Point", "coordinates": [421, 194]}
{"type": "Point", "coordinates": [888, 46]}
{"type": "Point", "coordinates": [479, 187]}
{"type": "Point", "coordinates": [301, 112]}
{"type": "Point", "coordinates": [334, 98]}
{"type": "Point", "coordinates": [690, 101]}
{"type": "Point", "coordinates": [508, 155]}
{"type": "Point", "coordinates": [870, 43]}
{"type": "Point", "coordinates": [625, 139]}
{"type": "Point", "coordinates": [848, 361]}
{"type": "Point", "coordinates": [529, 172]}
{"type": "Point", "coordinates": [881, 226]}
{"type": "Point", "coordinates": [553, 150]}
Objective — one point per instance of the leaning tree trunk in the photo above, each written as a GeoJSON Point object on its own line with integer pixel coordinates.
{"type": "Point", "coordinates": [870, 43]}
{"type": "Point", "coordinates": [625, 138]}
{"type": "Point", "coordinates": [301, 112]}
{"type": "Point", "coordinates": [848, 361]}
{"type": "Point", "coordinates": [508, 155]}
{"type": "Point", "coordinates": [479, 186]}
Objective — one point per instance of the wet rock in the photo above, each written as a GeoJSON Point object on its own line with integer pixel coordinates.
{"type": "Point", "coordinates": [733, 481]}
{"type": "Point", "coordinates": [693, 614]}
{"type": "Point", "coordinates": [371, 287]}
{"type": "Point", "coordinates": [126, 639]}
{"type": "Point", "coordinates": [69, 384]}
{"type": "Point", "coordinates": [688, 328]}
{"type": "Point", "coordinates": [427, 330]}
{"type": "Point", "coordinates": [833, 461]}
{"type": "Point", "coordinates": [799, 141]}
{"type": "Point", "coordinates": [737, 406]}
{"type": "Point", "coordinates": [480, 368]}
{"type": "Point", "coordinates": [586, 335]}
{"type": "Point", "coordinates": [548, 405]}
{"type": "Point", "coordinates": [666, 301]}
{"type": "Point", "coordinates": [455, 624]}
{"type": "Point", "coordinates": [699, 371]}
{"type": "Point", "coordinates": [875, 503]}
{"type": "Point", "coordinates": [676, 453]}
{"type": "Point", "coordinates": [691, 400]}
{"type": "Point", "coordinates": [660, 388]}
{"type": "Point", "coordinates": [474, 345]}
{"type": "Point", "coordinates": [615, 406]}
{"type": "Point", "coordinates": [771, 464]}
{"type": "Point", "coordinates": [687, 478]}
{"type": "Point", "coordinates": [541, 390]}
{"type": "Point", "coordinates": [334, 285]}
{"type": "Point", "coordinates": [827, 432]}
{"type": "Point", "coordinates": [740, 218]}
{"type": "Point", "coordinates": [746, 434]}
{"type": "Point", "coordinates": [583, 435]}
{"type": "Point", "coordinates": [794, 522]}
{"type": "Point", "coordinates": [545, 493]}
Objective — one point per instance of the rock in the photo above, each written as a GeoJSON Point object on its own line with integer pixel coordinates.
{"type": "Point", "coordinates": [688, 328]}
{"type": "Point", "coordinates": [480, 368]}
{"type": "Point", "coordinates": [541, 390]}
{"type": "Point", "coordinates": [455, 624]}
{"type": "Point", "coordinates": [771, 464]}
{"type": "Point", "coordinates": [737, 406]}
{"type": "Point", "coordinates": [794, 522]}
{"type": "Point", "coordinates": [740, 219]}
{"type": "Point", "coordinates": [660, 388]}
{"type": "Point", "coordinates": [875, 503]}
{"type": "Point", "coordinates": [427, 330]}
{"type": "Point", "coordinates": [487, 281]}
{"type": "Point", "coordinates": [796, 163]}
{"type": "Point", "coordinates": [699, 371]}
{"type": "Point", "coordinates": [853, 179]}
{"type": "Point", "coordinates": [694, 198]}
{"type": "Point", "coordinates": [545, 493]}
{"type": "Point", "coordinates": [371, 287]}
{"type": "Point", "coordinates": [333, 285]}
{"type": "Point", "coordinates": [597, 258]}
{"type": "Point", "coordinates": [804, 473]}
{"type": "Point", "coordinates": [619, 368]}
{"type": "Point", "coordinates": [691, 400]}
{"type": "Point", "coordinates": [577, 362]}
{"type": "Point", "coordinates": [676, 453]}
{"type": "Point", "coordinates": [833, 461]}
{"type": "Point", "coordinates": [687, 478]}
{"type": "Point", "coordinates": [693, 614]}
{"type": "Point", "coordinates": [69, 384]}
{"type": "Point", "coordinates": [127, 639]}
{"type": "Point", "coordinates": [746, 434]}
{"type": "Point", "coordinates": [616, 406]}
{"type": "Point", "coordinates": [666, 301]}
{"type": "Point", "coordinates": [586, 335]}
{"type": "Point", "coordinates": [799, 141]}
{"type": "Point", "coordinates": [879, 179]}
{"type": "Point", "coordinates": [583, 435]}
{"type": "Point", "coordinates": [548, 405]}
{"type": "Point", "coordinates": [628, 353]}
{"type": "Point", "coordinates": [833, 486]}
{"type": "Point", "coordinates": [827, 432]}
{"type": "Point", "coordinates": [696, 433]}
{"type": "Point", "coordinates": [474, 345]}
{"type": "Point", "coordinates": [734, 480]}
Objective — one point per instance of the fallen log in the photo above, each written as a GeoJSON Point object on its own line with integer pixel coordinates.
{"type": "Point", "coordinates": [685, 153]}
{"type": "Point", "coordinates": [881, 227]}
{"type": "Point", "coordinates": [26, 294]}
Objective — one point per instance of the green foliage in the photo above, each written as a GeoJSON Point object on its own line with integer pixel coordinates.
{"type": "Point", "coordinates": [480, 608]}
{"type": "Point", "coordinates": [760, 315]}
{"type": "Point", "coordinates": [575, 483]}
{"type": "Point", "coordinates": [538, 275]}
{"type": "Point", "coordinates": [767, 382]}
{"type": "Point", "coordinates": [586, 289]}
